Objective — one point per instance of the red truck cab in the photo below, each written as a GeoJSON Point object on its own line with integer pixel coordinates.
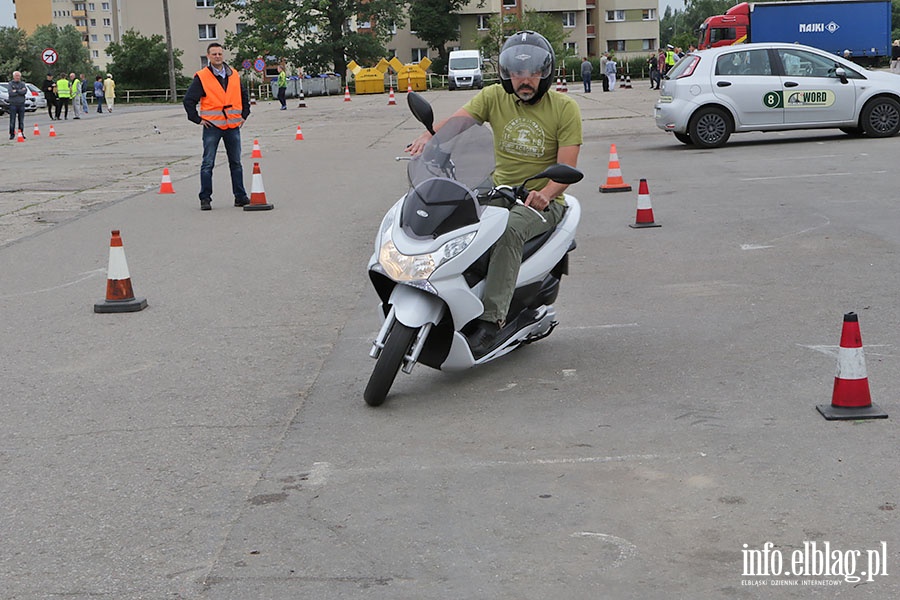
{"type": "Point", "coordinates": [725, 30]}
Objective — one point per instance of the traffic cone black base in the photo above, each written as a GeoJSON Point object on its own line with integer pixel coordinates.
{"type": "Point", "coordinates": [120, 306]}
{"type": "Point", "coordinates": [838, 413]}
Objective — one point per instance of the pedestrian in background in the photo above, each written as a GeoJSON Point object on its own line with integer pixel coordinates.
{"type": "Point", "coordinates": [17, 93]}
{"type": "Point", "coordinates": [282, 87]}
{"type": "Point", "coordinates": [49, 89]}
{"type": "Point", "coordinates": [83, 98]}
{"type": "Point", "coordinates": [224, 106]}
{"type": "Point", "coordinates": [604, 58]}
{"type": "Point", "coordinates": [654, 72]}
{"type": "Point", "coordinates": [63, 95]}
{"type": "Point", "coordinates": [98, 93]}
{"type": "Point", "coordinates": [611, 73]}
{"type": "Point", "coordinates": [109, 92]}
{"type": "Point", "coordinates": [75, 89]}
{"type": "Point", "coordinates": [895, 57]}
{"type": "Point", "coordinates": [586, 68]}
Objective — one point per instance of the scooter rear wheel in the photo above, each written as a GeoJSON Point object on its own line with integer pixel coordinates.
{"type": "Point", "coordinates": [396, 345]}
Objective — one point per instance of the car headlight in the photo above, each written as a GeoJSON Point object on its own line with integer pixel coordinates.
{"type": "Point", "coordinates": [416, 267]}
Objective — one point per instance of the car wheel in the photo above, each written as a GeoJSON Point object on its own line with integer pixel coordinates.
{"type": "Point", "coordinates": [881, 117]}
{"type": "Point", "coordinates": [710, 128]}
{"type": "Point", "coordinates": [684, 138]}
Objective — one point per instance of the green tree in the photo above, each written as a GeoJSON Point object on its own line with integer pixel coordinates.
{"type": "Point", "coordinates": [271, 27]}
{"type": "Point", "coordinates": [67, 41]}
{"type": "Point", "coordinates": [14, 54]}
{"type": "Point", "coordinates": [314, 34]}
{"type": "Point", "coordinates": [499, 30]}
{"type": "Point", "coordinates": [436, 22]}
{"type": "Point", "coordinates": [142, 62]}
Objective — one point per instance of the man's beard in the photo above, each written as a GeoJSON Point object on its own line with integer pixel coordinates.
{"type": "Point", "coordinates": [525, 92]}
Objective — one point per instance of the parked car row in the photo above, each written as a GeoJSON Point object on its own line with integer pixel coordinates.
{"type": "Point", "coordinates": [33, 100]}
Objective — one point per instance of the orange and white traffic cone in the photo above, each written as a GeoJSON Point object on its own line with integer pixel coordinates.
{"type": "Point", "coordinates": [302, 100]}
{"type": "Point", "coordinates": [119, 293]}
{"type": "Point", "coordinates": [252, 99]}
{"type": "Point", "coordinates": [558, 85]}
{"type": "Point", "coordinates": [408, 85]}
{"type": "Point", "coordinates": [346, 93]}
{"type": "Point", "coordinates": [614, 181]}
{"type": "Point", "coordinates": [565, 87]}
{"type": "Point", "coordinates": [850, 398]}
{"type": "Point", "coordinates": [257, 153]}
{"type": "Point", "coordinates": [52, 131]}
{"type": "Point", "coordinates": [391, 100]}
{"type": "Point", "coordinates": [165, 187]}
{"type": "Point", "coordinates": [299, 135]}
{"type": "Point", "coordinates": [20, 137]}
{"type": "Point", "coordinates": [258, 192]}
{"type": "Point", "coordinates": [37, 130]}
{"type": "Point", "coordinates": [644, 217]}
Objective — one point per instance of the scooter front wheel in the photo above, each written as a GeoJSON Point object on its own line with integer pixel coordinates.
{"type": "Point", "coordinates": [389, 361]}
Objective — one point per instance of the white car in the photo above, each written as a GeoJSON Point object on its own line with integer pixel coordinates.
{"type": "Point", "coordinates": [710, 94]}
{"type": "Point", "coordinates": [30, 104]}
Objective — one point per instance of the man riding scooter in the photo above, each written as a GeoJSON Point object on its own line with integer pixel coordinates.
{"type": "Point", "coordinates": [534, 128]}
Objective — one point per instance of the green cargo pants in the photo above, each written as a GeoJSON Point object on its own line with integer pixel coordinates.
{"type": "Point", "coordinates": [506, 256]}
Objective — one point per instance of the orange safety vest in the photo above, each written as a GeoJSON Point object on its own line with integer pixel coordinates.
{"type": "Point", "coordinates": [221, 107]}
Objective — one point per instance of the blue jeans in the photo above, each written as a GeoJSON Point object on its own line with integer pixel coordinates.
{"type": "Point", "coordinates": [16, 112]}
{"type": "Point", "coordinates": [211, 137]}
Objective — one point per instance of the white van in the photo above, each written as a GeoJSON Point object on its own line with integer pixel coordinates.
{"type": "Point", "coordinates": [464, 69]}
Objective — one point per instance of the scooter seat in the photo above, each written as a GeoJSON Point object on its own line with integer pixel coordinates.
{"type": "Point", "coordinates": [478, 270]}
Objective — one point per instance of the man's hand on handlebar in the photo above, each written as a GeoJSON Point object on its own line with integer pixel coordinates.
{"type": "Point", "coordinates": [418, 144]}
{"type": "Point", "coordinates": [538, 200]}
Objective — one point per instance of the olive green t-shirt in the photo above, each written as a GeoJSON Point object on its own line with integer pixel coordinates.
{"type": "Point", "coordinates": [526, 137]}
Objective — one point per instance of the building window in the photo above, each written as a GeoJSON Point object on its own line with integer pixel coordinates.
{"type": "Point", "coordinates": [92, 6]}
{"type": "Point", "coordinates": [93, 37]}
{"type": "Point", "coordinates": [107, 37]}
{"type": "Point", "coordinates": [393, 28]}
{"type": "Point", "coordinates": [104, 6]}
{"type": "Point", "coordinates": [649, 14]}
{"type": "Point", "coordinates": [418, 54]}
{"type": "Point", "coordinates": [613, 16]}
{"type": "Point", "coordinates": [509, 3]}
{"type": "Point", "coordinates": [95, 54]}
{"type": "Point", "coordinates": [571, 48]}
{"type": "Point", "coordinates": [649, 44]}
{"type": "Point", "coordinates": [484, 22]}
{"type": "Point", "coordinates": [207, 32]}
{"type": "Point", "coordinates": [107, 22]}
{"type": "Point", "coordinates": [615, 45]}
{"type": "Point", "coordinates": [204, 62]}
{"type": "Point", "coordinates": [93, 22]}
{"type": "Point", "coordinates": [205, 3]}
{"type": "Point", "coordinates": [79, 6]}
{"type": "Point", "coordinates": [239, 27]}
{"type": "Point", "coordinates": [81, 22]}
{"type": "Point", "coordinates": [568, 19]}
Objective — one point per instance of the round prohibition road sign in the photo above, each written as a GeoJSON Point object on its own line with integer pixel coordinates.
{"type": "Point", "coordinates": [49, 56]}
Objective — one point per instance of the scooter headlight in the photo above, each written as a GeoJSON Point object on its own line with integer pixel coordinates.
{"type": "Point", "coordinates": [403, 267]}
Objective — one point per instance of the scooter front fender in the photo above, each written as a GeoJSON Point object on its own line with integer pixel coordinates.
{"type": "Point", "coordinates": [414, 307]}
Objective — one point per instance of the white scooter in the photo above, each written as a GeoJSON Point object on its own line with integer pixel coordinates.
{"type": "Point", "coordinates": [431, 255]}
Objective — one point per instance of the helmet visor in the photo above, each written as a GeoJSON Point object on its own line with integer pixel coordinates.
{"type": "Point", "coordinates": [525, 60]}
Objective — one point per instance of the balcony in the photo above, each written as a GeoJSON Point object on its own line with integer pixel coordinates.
{"type": "Point", "coordinates": [79, 13]}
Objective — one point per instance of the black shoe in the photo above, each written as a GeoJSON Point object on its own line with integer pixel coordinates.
{"type": "Point", "coordinates": [483, 338]}
{"type": "Point", "coordinates": [12, 137]}
{"type": "Point", "coordinates": [205, 204]}
{"type": "Point", "coordinates": [242, 201]}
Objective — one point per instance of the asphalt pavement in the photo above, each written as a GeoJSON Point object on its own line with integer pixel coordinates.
{"type": "Point", "coordinates": [662, 443]}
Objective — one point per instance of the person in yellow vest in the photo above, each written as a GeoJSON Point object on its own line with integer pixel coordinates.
{"type": "Point", "coordinates": [224, 106]}
{"type": "Point", "coordinates": [63, 95]}
{"type": "Point", "coordinates": [109, 92]}
{"type": "Point", "coordinates": [671, 58]}
{"type": "Point", "coordinates": [75, 91]}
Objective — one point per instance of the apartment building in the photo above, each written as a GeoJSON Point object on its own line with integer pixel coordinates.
{"type": "Point", "coordinates": [97, 21]}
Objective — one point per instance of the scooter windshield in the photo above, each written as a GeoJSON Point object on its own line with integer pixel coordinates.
{"type": "Point", "coordinates": [446, 178]}
{"type": "Point", "coordinates": [462, 150]}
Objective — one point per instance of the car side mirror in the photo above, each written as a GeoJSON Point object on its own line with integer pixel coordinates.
{"type": "Point", "coordinates": [841, 74]}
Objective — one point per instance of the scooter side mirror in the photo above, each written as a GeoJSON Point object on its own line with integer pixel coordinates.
{"type": "Point", "coordinates": [560, 174]}
{"type": "Point", "coordinates": [421, 110]}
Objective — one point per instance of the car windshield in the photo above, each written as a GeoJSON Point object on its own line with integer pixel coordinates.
{"type": "Point", "coordinates": [464, 63]}
{"type": "Point", "coordinates": [461, 149]}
